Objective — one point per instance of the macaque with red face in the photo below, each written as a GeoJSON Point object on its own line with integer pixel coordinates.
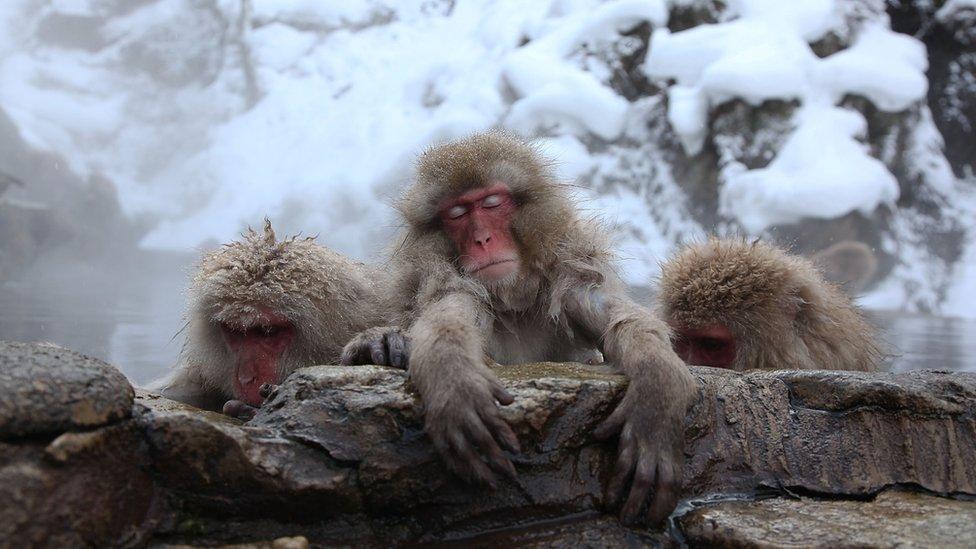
{"type": "Point", "coordinates": [744, 306]}
{"type": "Point", "coordinates": [496, 263]}
{"type": "Point", "coordinates": [261, 308]}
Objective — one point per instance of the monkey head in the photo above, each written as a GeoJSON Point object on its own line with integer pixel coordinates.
{"type": "Point", "coordinates": [719, 294]}
{"type": "Point", "coordinates": [475, 199]}
{"type": "Point", "coordinates": [255, 311]}
{"type": "Point", "coordinates": [740, 305]}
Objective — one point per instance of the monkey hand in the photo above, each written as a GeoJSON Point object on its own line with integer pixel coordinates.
{"type": "Point", "coordinates": [244, 411]}
{"type": "Point", "coordinates": [382, 345]}
{"type": "Point", "coordinates": [463, 422]}
{"type": "Point", "coordinates": [650, 448]}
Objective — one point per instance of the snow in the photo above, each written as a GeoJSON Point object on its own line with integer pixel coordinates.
{"type": "Point", "coordinates": [821, 171]}
{"type": "Point", "coordinates": [321, 134]}
{"type": "Point", "coordinates": [886, 67]}
{"type": "Point", "coordinates": [553, 91]}
{"type": "Point", "coordinates": [764, 54]}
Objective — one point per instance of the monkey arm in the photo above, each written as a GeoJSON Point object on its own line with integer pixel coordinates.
{"type": "Point", "coordinates": [650, 417]}
{"type": "Point", "coordinates": [459, 391]}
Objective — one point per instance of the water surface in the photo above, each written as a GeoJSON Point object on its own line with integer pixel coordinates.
{"type": "Point", "coordinates": [133, 316]}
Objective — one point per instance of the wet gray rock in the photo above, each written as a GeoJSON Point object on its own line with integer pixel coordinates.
{"type": "Point", "coordinates": [48, 390]}
{"type": "Point", "coordinates": [74, 470]}
{"type": "Point", "coordinates": [892, 519]}
{"type": "Point", "coordinates": [222, 466]}
{"type": "Point", "coordinates": [81, 489]}
{"type": "Point", "coordinates": [339, 456]}
{"type": "Point", "coordinates": [850, 433]}
{"type": "Point", "coordinates": [336, 443]}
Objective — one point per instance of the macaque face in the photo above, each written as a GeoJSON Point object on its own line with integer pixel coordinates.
{"type": "Point", "coordinates": [257, 347]}
{"type": "Point", "coordinates": [480, 224]}
{"type": "Point", "coordinates": [712, 345]}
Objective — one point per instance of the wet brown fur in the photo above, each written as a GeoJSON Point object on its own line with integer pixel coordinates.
{"type": "Point", "coordinates": [566, 298]}
{"type": "Point", "coordinates": [781, 311]}
{"type": "Point", "coordinates": [325, 296]}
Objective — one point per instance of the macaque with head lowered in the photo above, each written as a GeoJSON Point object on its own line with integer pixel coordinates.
{"type": "Point", "coordinates": [741, 305]}
{"type": "Point", "coordinates": [261, 308]}
{"type": "Point", "coordinates": [496, 263]}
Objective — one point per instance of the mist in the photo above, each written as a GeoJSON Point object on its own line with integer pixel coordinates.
{"type": "Point", "coordinates": [135, 135]}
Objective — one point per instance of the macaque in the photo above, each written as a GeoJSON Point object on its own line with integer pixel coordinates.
{"type": "Point", "coordinates": [496, 263]}
{"type": "Point", "coordinates": [849, 264]}
{"type": "Point", "coordinates": [261, 308]}
{"type": "Point", "coordinates": [740, 305]}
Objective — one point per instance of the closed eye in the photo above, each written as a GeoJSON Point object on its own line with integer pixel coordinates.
{"type": "Point", "coordinates": [491, 201]}
{"type": "Point", "coordinates": [456, 212]}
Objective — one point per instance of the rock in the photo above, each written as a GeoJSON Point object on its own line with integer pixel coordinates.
{"type": "Point", "coordinates": [583, 530]}
{"type": "Point", "coordinates": [338, 456]}
{"type": "Point", "coordinates": [893, 519]}
{"type": "Point", "coordinates": [341, 442]}
{"type": "Point", "coordinates": [48, 390]}
{"type": "Point", "coordinates": [297, 542]}
{"type": "Point", "coordinates": [220, 466]}
{"type": "Point", "coordinates": [73, 470]}
{"type": "Point", "coordinates": [850, 433]}
{"type": "Point", "coordinates": [89, 489]}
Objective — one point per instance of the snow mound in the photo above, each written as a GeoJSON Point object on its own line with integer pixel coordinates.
{"type": "Point", "coordinates": [822, 170]}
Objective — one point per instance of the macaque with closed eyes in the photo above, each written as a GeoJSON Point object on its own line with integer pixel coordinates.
{"type": "Point", "coordinates": [496, 263]}
{"type": "Point", "coordinates": [260, 308]}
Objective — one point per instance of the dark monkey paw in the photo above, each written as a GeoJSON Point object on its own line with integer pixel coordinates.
{"type": "Point", "coordinates": [244, 411]}
{"type": "Point", "coordinates": [382, 346]}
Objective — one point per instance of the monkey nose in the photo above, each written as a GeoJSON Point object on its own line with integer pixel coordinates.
{"type": "Point", "coordinates": [482, 237]}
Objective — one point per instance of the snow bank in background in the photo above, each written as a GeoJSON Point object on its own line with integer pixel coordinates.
{"type": "Point", "coordinates": [886, 67]}
{"type": "Point", "coordinates": [822, 170]}
{"type": "Point", "coordinates": [348, 93]}
{"type": "Point", "coordinates": [551, 90]}
{"type": "Point", "coordinates": [812, 176]}
{"type": "Point", "coordinates": [312, 112]}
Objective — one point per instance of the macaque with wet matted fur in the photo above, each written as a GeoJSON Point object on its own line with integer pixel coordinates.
{"type": "Point", "coordinates": [497, 263]}
{"type": "Point", "coordinates": [259, 309]}
{"type": "Point", "coordinates": [740, 305]}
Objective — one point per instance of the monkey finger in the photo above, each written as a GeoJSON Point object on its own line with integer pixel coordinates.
{"type": "Point", "coordinates": [353, 353]}
{"type": "Point", "coordinates": [644, 476]}
{"type": "Point", "coordinates": [377, 354]}
{"type": "Point", "coordinates": [612, 425]}
{"type": "Point", "coordinates": [468, 463]}
{"type": "Point", "coordinates": [621, 473]}
{"type": "Point", "coordinates": [666, 493]}
{"type": "Point", "coordinates": [268, 390]}
{"type": "Point", "coordinates": [239, 409]}
{"type": "Point", "coordinates": [397, 345]}
{"type": "Point", "coordinates": [483, 439]}
{"type": "Point", "coordinates": [501, 395]}
{"type": "Point", "coordinates": [503, 432]}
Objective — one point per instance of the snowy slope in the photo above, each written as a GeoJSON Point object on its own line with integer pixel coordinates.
{"type": "Point", "coordinates": [209, 116]}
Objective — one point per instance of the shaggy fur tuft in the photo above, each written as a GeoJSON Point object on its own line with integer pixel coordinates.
{"type": "Point", "coordinates": [326, 298]}
{"type": "Point", "coordinates": [778, 306]}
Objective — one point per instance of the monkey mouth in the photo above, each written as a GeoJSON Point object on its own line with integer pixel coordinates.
{"type": "Point", "coordinates": [492, 264]}
{"type": "Point", "coordinates": [496, 270]}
